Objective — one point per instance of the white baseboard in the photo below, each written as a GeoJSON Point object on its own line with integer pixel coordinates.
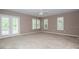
{"type": "Point", "coordinates": [28, 33]}
{"type": "Point", "coordinates": [61, 34]}
{"type": "Point", "coordinates": [37, 32]}
{"type": "Point", "coordinates": [7, 36]}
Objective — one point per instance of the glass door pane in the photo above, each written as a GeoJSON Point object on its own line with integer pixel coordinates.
{"type": "Point", "coordinates": [15, 25]}
{"type": "Point", "coordinates": [4, 25]}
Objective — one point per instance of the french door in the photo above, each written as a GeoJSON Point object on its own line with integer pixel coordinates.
{"type": "Point", "coordinates": [5, 25]}
{"type": "Point", "coordinates": [9, 25]}
{"type": "Point", "coordinates": [15, 25]}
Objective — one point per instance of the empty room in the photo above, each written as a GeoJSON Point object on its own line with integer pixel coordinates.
{"type": "Point", "coordinates": [39, 28]}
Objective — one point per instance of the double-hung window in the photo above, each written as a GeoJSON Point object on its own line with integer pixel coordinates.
{"type": "Point", "coordinates": [45, 24]}
{"type": "Point", "coordinates": [60, 23]}
{"type": "Point", "coordinates": [38, 23]}
{"type": "Point", "coordinates": [35, 23]}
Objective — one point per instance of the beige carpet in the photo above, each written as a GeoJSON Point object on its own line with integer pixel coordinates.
{"type": "Point", "coordinates": [39, 41]}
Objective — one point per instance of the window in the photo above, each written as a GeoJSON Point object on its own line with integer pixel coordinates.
{"type": "Point", "coordinates": [38, 23]}
{"type": "Point", "coordinates": [35, 23]}
{"type": "Point", "coordinates": [9, 25]}
{"type": "Point", "coordinates": [45, 24]}
{"type": "Point", "coordinates": [15, 25]}
{"type": "Point", "coordinates": [4, 25]}
{"type": "Point", "coordinates": [60, 23]}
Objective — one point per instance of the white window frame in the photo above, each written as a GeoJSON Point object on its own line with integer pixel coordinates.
{"type": "Point", "coordinates": [18, 23]}
{"type": "Point", "coordinates": [10, 22]}
{"type": "Point", "coordinates": [38, 23]}
{"type": "Point", "coordinates": [45, 23]}
{"type": "Point", "coordinates": [60, 27]}
{"type": "Point", "coordinates": [34, 28]}
{"type": "Point", "coordinates": [1, 25]}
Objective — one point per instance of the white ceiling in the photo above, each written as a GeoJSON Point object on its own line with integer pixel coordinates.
{"type": "Point", "coordinates": [46, 12]}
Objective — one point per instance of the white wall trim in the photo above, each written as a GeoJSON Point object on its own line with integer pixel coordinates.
{"type": "Point", "coordinates": [1, 37]}
{"type": "Point", "coordinates": [61, 34]}
{"type": "Point", "coordinates": [8, 36]}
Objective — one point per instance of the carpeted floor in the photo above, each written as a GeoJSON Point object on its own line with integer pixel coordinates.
{"type": "Point", "coordinates": [39, 41]}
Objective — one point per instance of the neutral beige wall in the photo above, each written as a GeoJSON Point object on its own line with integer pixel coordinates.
{"type": "Point", "coordinates": [25, 20]}
{"type": "Point", "coordinates": [25, 24]}
{"type": "Point", "coordinates": [71, 23]}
